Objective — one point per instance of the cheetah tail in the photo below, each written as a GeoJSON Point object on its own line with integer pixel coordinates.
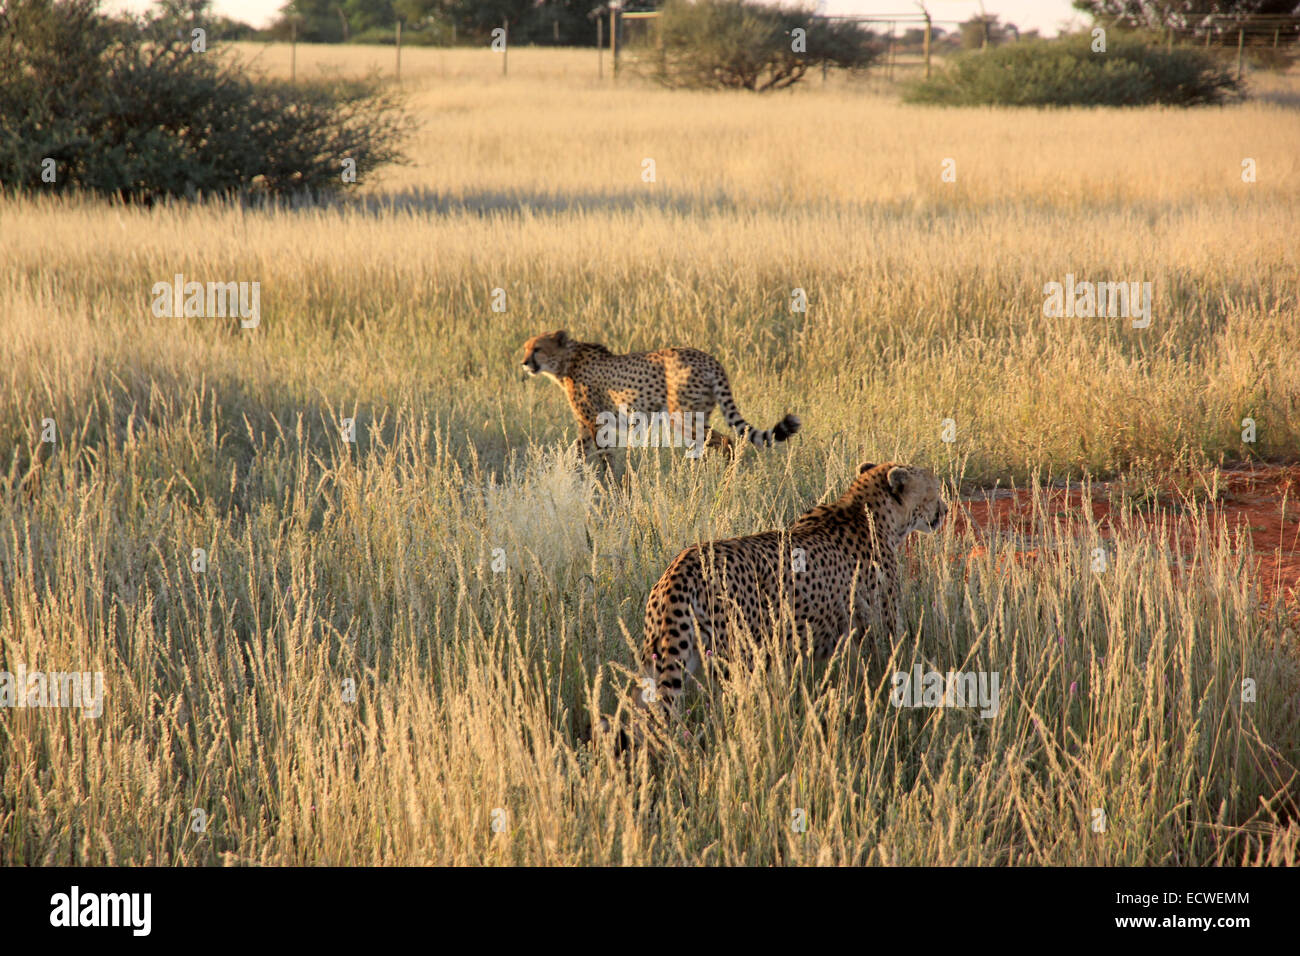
{"type": "Point", "coordinates": [761, 438]}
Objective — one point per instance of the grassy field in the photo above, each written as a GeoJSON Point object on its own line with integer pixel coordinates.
{"type": "Point", "coordinates": [372, 562]}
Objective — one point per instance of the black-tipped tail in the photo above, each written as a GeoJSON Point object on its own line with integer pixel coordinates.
{"type": "Point", "coordinates": [785, 428]}
{"type": "Point", "coordinates": [778, 432]}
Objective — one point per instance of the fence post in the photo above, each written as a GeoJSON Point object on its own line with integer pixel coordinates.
{"type": "Point", "coordinates": [927, 44]}
{"type": "Point", "coordinates": [663, 50]}
{"type": "Point", "coordinates": [293, 51]}
{"type": "Point", "coordinates": [505, 44]}
{"type": "Point", "coordinates": [399, 51]}
{"type": "Point", "coordinates": [600, 48]}
{"type": "Point", "coordinates": [1241, 39]}
{"type": "Point", "coordinates": [613, 37]}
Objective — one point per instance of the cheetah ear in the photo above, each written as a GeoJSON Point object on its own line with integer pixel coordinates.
{"type": "Point", "coordinates": [561, 338]}
{"type": "Point", "coordinates": [865, 467]}
{"type": "Point", "coordinates": [897, 480]}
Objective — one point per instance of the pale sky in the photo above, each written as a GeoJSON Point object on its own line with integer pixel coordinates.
{"type": "Point", "coordinates": [1047, 16]}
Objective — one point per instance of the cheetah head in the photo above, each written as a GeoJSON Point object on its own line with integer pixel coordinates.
{"type": "Point", "coordinates": [915, 492]}
{"type": "Point", "coordinates": [548, 354]}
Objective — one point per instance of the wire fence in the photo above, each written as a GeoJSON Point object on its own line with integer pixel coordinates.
{"type": "Point", "coordinates": [910, 41]}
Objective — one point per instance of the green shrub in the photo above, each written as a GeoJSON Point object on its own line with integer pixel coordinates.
{"type": "Point", "coordinates": [741, 44]}
{"type": "Point", "coordinates": [1066, 72]}
{"type": "Point", "coordinates": [130, 109]}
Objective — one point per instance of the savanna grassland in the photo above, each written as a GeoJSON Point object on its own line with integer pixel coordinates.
{"type": "Point", "coordinates": [372, 561]}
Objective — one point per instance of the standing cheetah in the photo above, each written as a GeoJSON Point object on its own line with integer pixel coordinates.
{"type": "Point", "coordinates": [681, 382]}
{"type": "Point", "coordinates": [835, 571]}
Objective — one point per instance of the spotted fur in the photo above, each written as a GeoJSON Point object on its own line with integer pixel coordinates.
{"type": "Point", "coordinates": [849, 584]}
{"type": "Point", "coordinates": [682, 381]}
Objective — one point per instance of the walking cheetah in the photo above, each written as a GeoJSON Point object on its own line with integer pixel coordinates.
{"type": "Point", "coordinates": [686, 383]}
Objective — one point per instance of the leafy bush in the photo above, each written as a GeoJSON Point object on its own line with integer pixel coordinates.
{"type": "Point", "coordinates": [1066, 72]}
{"type": "Point", "coordinates": [741, 44]}
{"type": "Point", "coordinates": [131, 109]}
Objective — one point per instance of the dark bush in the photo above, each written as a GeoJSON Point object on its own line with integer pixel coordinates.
{"type": "Point", "coordinates": [130, 109]}
{"type": "Point", "coordinates": [741, 44]}
{"type": "Point", "coordinates": [1066, 72]}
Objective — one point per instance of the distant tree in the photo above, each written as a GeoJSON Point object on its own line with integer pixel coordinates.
{"type": "Point", "coordinates": [561, 22]}
{"type": "Point", "coordinates": [480, 17]}
{"type": "Point", "coordinates": [312, 21]}
{"type": "Point", "coordinates": [742, 44]}
{"type": "Point", "coordinates": [914, 36]}
{"type": "Point", "coordinates": [418, 13]}
{"type": "Point", "coordinates": [985, 30]}
{"type": "Point", "coordinates": [363, 15]}
{"type": "Point", "coordinates": [529, 21]}
{"type": "Point", "coordinates": [1179, 14]}
{"type": "Point", "coordinates": [569, 22]}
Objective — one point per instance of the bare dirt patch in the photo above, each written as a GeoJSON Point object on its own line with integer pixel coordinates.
{"type": "Point", "coordinates": [1256, 503]}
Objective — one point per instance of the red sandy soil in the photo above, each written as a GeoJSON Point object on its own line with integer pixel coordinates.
{"type": "Point", "coordinates": [1251, 499]}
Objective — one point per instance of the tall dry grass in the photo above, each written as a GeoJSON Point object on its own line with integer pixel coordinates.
{"type": "Point", "coordinates": [476, 688]}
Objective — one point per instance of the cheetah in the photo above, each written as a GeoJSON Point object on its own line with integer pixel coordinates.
{"type": "Point", "coordinates": [684, 383]}
{"type": "Point", "coordinates": [835, 571]}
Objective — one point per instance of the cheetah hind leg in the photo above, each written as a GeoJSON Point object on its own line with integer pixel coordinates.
{"type": "Point", "coordinates": [716, 443]}
{"type": "Point", "coordinates": [639, 720]}
{"type": "Point", "coordinates": [655, 712]}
